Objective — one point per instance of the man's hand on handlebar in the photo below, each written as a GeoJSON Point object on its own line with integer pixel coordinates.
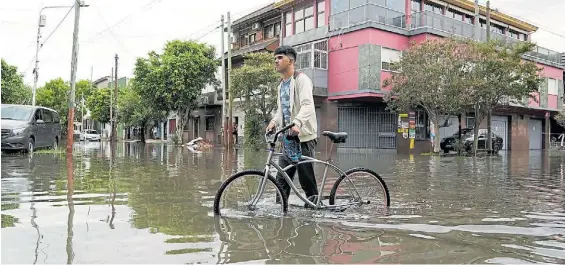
{"type": "Point", "coordinates": [270, 127]}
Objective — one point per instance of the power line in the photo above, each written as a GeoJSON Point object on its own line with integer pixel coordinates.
{"type": "Point", "coordinates": [119, 22]}
{"type": "Point", "coordinates": [111, 31]}
{"type": "Point", "coordinates": [60, 22]}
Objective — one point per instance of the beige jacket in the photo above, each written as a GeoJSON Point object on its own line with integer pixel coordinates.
{"type": "Point", "coordinates": [302, 110]}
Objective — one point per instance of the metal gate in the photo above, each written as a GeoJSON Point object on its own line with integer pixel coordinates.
{"type": "Point", "coordinates": [367, 127]}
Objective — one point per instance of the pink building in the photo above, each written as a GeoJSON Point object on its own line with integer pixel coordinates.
{"type": "Point", "coordinates": [347, 47]}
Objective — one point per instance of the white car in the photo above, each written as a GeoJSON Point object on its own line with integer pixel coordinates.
{"type": "Point", "coordinates": [90, 135]}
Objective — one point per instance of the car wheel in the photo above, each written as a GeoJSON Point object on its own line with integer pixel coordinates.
{"type": "Point", "coordinates": [495, 149]}
{"type": "Point", "coordinates": [30, 145]}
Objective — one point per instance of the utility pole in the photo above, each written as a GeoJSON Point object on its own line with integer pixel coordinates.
{"type": "Point", "coordinates": [489, 114]}
{"type": "Point", "coordinates": [111, 102]}
{"type": "Point", "coordinates": [71, 116]}
{"type": "Point", "coordinates": [35, 69]}
{"type": "Point", "coordinates": [230, 122]}
{"type": "Point", "coordinates": [115, 118]}
{"type": "Point", "coordinates": [223, 73]}
{"type": "Point", "coordinates": [477, 21]}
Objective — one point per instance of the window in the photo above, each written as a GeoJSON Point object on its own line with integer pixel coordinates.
{"type": "Point", "coordinates": [268, 32]}
{"type": "Point", "coordinates": [252, 38]}
{"type": "Point", "coordinates": [210, 123]}
{"type": "Point", "coordinates": [422, 128]}
{"type": "Point", "coordinates": [321, 54]}
{"type": "Point", "coordinates": [388, 58]}
{"type": "Point", "coordinates": [416, 6]}
{"type": "Point", "coordinates": [47, 116]}
{"type": "Point", "coordinates": [552, 87]}
{"type": "Point", "coordinates": [277, 29]}
{"type": "Point", "coordinates": [433, 8]}
{"type": "Point", "coordinates": [304, 56]}
{"type": "Point", "coordinates": [321, 13]}
{"type": "Point", "coordinates": [338, 6]}
{"type": "Point", "coordinates": [469, 19]}
{"type": "Point", "coordinates": [288, 24]}
{"type": "Point", "coordinates": [304, 19]}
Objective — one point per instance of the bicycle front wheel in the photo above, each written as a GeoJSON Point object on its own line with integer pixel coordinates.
{"type": "Point", "coordinates": [360, 185]}
{"type": "Point", "coordinates": [235, 195]}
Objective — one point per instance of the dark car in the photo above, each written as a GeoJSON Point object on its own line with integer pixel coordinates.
{"type": "Point", "coordinates": [25, 128]}
{"type": "Point", "coordinates": [449, 143]}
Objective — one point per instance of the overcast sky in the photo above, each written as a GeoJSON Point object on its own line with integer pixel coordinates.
{"type": "Point", "coordinates": [146, 25]}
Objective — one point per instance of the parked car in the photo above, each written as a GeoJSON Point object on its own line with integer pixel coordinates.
{"type": "Point", "coordinates": [450, 143]}
{"type": "Point", "coordinates": [90, 135]}
{"type": "Point", "coordinates": [25, 128]}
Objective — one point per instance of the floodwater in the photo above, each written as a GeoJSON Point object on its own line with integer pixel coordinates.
{"type": "Point", "coordinates": [153, 204]}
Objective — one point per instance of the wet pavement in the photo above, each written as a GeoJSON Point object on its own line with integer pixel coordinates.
{"type": "Point", "coordinates": [153, 204]}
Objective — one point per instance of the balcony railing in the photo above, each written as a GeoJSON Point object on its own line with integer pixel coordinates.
{"type": "Point", "coordinates": [367, 13]}
{"type": "Point", "coordinates": [461, 28]}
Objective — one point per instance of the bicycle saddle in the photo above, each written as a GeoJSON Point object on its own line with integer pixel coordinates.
{"type": "Point", "coordinates": [336, 137]}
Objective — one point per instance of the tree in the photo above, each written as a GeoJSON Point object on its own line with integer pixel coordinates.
{"type": "Point", "coordinates": [13, 89]}
{"type": "Point", "coordinates": [99, 104]}
{"type": "Point", "coordinates": [500, 77]}
{"type": "Point", "coordinates": [173, 80]}
{"type": "Point", "coordinates": [135, 110]}
{"type": "Point", "coordinates": [255, 83]}
{"type": "Point", "coordinates": [54, 94]}
{"type": "Point", "coordinates": [429, 75]}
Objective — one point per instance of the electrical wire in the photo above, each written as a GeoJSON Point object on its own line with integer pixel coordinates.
{"type": "Point", "coordinates": [60, 22]}
{"type": "Point", "coordinates": [119, 22]}
{"type": "Point", "coordinates": [111, 31]}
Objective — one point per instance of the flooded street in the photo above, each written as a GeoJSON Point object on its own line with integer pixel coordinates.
{"type": "Point", "coordinates": [153, 204]}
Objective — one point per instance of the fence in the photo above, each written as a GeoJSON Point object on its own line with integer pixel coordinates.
{"type": "Point", "coordinates": [368, 128]}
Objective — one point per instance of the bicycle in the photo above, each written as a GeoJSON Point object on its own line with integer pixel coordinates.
{"type": "Point", "coordinates": [265, 176]}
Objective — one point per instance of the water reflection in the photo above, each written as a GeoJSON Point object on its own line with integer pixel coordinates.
{"type": "Point", "coordinates": [136, 203]}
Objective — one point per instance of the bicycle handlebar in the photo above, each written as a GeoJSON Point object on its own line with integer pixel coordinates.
{"type": "Point", "coordinates": [278, 132]}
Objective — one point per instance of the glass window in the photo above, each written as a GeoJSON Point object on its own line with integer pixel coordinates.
{"type": "Point", "coordinates": [47, 116]}
{"type": "Point", "coordinates": [321, 13]}
{"type": "Point", "coordinates": [421, 125]}
{"type": "Point", "coordinates": [338, 6]}
{"type": "Point", "coordinates": [298, 26]}
{"type": "Point", "coordinates": [378, 2]}
{"type": "Point", "coordinates": [268, 32]}
{"type": "Point", "coordinates": [288, 29]}
{"type": "Point", "coordinates": [388, 58]}
{"type": "Point", "coordinates": [416, 6]}
{"type": "Point", "coordinates": [339, 21]}
{"type": "Point", "coordinates": [357, 15]}
{"type": "Point", "coordinates": [298, 14]}
{"type": "Point", "coordinates": [288, 22]}
{"type": "Point", "coordinates": [356, 3]}
{"type": "Point", "coordinates": [309, 11]}
{"type": "Point", "coordinates": [398, 5]}
{"type": "Point", "coordinates": [552, 87]}
{"type": "Point", "coordinates": [210, 120]}
{"type": "Point", "coordinates": [277, 29]}
{"type": "Point", "coordinates": [321, 6]}
{"type": "Point", "coordinates": [16, 113]}
{"type": "Point", "coordinates": [309, 24]}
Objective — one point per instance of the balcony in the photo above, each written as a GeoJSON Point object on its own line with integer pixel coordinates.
{"type": "Point", "coordinates": [427, 19]}
{"type": "Point", "coordinates": [367, 13]}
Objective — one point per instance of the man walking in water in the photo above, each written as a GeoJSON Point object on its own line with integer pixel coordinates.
{"type": "Point", "coordinates": [295, 103]}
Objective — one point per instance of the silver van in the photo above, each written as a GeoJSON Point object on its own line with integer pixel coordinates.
{"type": "Point", "coordinates": [25, 128]}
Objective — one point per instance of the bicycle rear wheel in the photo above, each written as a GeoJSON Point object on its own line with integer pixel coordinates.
{"type": "Point", "coordinates": [362, 182]}
{"type": "Point", "coordinates": [236, 201]}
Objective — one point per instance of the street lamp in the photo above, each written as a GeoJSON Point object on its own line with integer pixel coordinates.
{"type": "Point", "coordinates": [41, 24]}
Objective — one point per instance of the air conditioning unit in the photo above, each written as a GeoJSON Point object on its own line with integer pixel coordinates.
{"type": "Point", "coordinates": [256, 25]}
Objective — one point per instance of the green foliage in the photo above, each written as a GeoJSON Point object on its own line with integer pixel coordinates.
{"type": "Point", "coordinates": [255, 83]}
{"type": "Point", "coordinates": [173, 80]}
{"type": "Point", "coordinates": [13, 89]}
{"type": "Point", "coordinates": [135, 110]}
{"type": "Point", "coordinates": [429, 75]}
{"type": "Point", "coordinates": [54, 94]}
{"type": "Point", "coordinates": [560, 118]}
{"type": "Point", "coordinates": [99, 104]}
{"type": "Point", "coordinates": [254, 130]}
{"type": "Point", "coordinates": [453, 76]}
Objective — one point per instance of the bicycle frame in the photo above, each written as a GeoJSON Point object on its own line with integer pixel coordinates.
{"type": "Point", "coordinates": [304, 159]}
